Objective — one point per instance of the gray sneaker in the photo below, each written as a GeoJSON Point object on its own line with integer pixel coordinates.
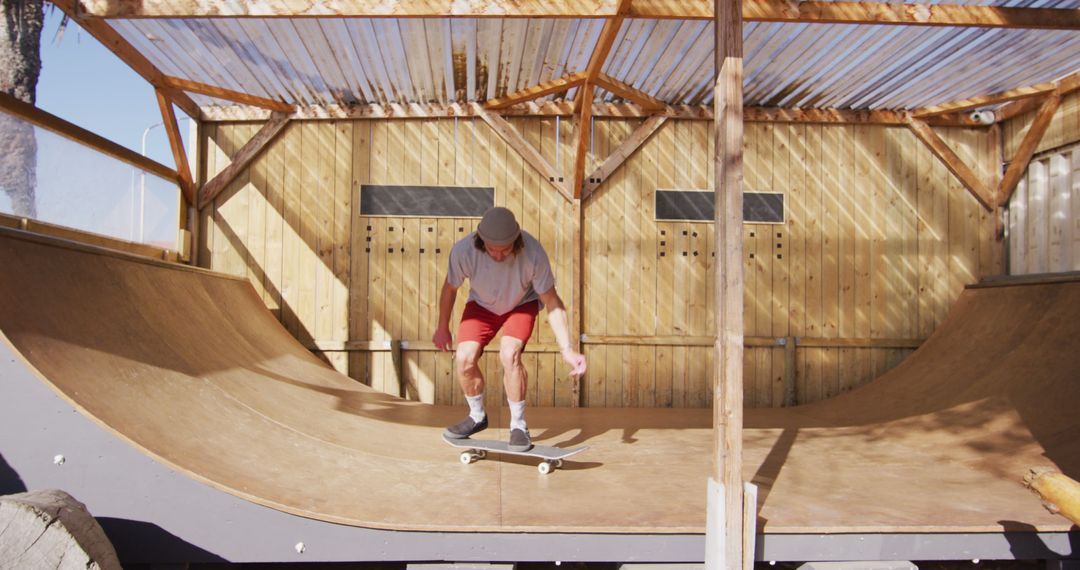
{"type": "Point", "coordinates": [520, 440]}
{"type": "Point", "coordinates": [465, 428]}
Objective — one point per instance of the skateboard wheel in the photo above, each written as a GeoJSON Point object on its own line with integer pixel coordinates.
{"type": "Point", "coordinates": [544, 468]}
{"type": "Point", "coordinates": [466, 457]}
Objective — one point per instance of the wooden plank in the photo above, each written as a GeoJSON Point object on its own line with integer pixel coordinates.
{"type": "Point", "coordinates": [1027, 148]}
{"type": "Point", "coordinates": [308, 226]}
{"type": "Point", "coordinates": [341, 235]}
{"type": "Point", "coordinates": [665, 152]}
{"type": "Point", "coordinates": [699, 377]}
{"type": "Point", "coordinates": [620, 155]}
{"type": "Point", "coordinates": [527, 152]}
{"type": "Point", "coordinates": [321, 209]}
{"type": "Point", "coordinates": [796, 255]}
{"type": "Point", "coordinates": [816, 225]}
{"type": "Point", "coordinates": [180, 84]}
{"type": "Point", "coordinates": [752, 10]}
{"type": "Point", "coordinates": [257, 221]}
{"type": "Point", "coordinates": [1074, 180]}
{"type": "Point", "coordinates": [781, 265]}
{"type": "Point", "coordinates": [243, 158]}
{"type": "Point", "coordinates": [830, 263]}
{"type": "Point", "coordinates": [1060, 211]}
{"type": "Point", "coordinates": [948, 157]}
{"type": "Point", "coordinates": [619, 305]}
{"type": "Point", "coordinates": [1037, 215]}
{"type": "Point", "coordinates": [360, 253]}
{"type": "Point", "coordinates": [646, 162]}
{"type": "Point", "coordinates": [290, 214]}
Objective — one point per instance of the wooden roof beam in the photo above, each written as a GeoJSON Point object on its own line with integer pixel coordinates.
{"type": "Point", "coordinates": [921, 14]}
{"type": "Point", "coordinates": [953, 162]}
{"type": "Point", "coordinates": [985, 100]}
{"type": "Point", "coordinates": [647, 102]}
{"type": "Point", "coordinates": [243, 158]}
{"type": "Point", "coordinates": [227, 94]}
{"type": "Point", "coordinates": [561, 108]}
{"type": "Point", "coordinates": [1035, 93]}
{"type": "Point", "coordinates": [536, 91]}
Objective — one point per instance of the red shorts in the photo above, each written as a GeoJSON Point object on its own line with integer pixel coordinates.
{"type": "Point", "coordinates": [480, 325]}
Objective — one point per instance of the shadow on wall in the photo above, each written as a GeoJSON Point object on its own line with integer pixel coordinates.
{"type": "Point", "coordinates": [138, 542]}
{"type": "Point", "coordinates": [10, 482]}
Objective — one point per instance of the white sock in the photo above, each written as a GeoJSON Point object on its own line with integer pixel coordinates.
{"type": "Point", "coordinates": [476, 407]}
{"type": "Point", "coordinates": [517, 415]}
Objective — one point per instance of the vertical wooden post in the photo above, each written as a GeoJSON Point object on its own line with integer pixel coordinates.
{"type": "Point", "coordinates": [578, 304]}
{"type": "Point", "coordinates": [790, 364]}
{"type": "Point", "coordinates": [724, 533]}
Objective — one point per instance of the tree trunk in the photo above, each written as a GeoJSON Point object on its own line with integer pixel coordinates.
{"type": "Point", "coordinates": [20, 65]}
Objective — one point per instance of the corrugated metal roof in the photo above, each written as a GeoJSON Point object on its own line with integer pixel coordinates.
{"type": "Point", "coordinates": [350, 61]}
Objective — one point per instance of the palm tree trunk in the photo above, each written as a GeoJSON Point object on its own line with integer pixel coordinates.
{"type": "Point", "coordinates": [20, 64]}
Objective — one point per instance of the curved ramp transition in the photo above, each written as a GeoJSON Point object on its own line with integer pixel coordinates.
{"type": "Point", "coordinates": [189, 367]}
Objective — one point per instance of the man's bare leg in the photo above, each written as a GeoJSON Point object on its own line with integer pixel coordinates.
{"type": "Point", "coordinates": [472, 383]}
{"type": "Point", "coordinates": [516, 383]}
{"type": "Point", "coordinates": [515, 377]}
{"type": "Point", "coordinates": [466, 364]}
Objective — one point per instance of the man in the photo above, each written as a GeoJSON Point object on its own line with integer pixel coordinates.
{"type": "Point", "coordinates": [509, 276]}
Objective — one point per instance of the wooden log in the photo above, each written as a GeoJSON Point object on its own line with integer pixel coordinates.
{"type": "Point", "coordinates": [1060, 494]}
{"type": "Point", "coordinates": [50, 529]}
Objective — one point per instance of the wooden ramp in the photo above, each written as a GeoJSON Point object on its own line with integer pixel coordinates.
{"type": "Point", "coordinates": [189, 367]}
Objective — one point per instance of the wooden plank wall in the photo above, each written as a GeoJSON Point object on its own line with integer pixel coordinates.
{"type": "Point", "coordinates": [879, 241]}
{"type": "Point", "coordinates": [1044, 211]}
{"type": "Point", "coordinates": [1044, 215]}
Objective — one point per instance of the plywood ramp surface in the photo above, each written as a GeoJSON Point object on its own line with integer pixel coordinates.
{"type": "Point", "coordinates": [190, 367]}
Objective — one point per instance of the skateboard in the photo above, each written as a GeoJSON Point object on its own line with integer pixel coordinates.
{"type": "Point", "coordinates": [476, 449]}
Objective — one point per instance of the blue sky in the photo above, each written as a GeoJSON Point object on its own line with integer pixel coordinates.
{"type": "Point", "coordinates": [84, 83]}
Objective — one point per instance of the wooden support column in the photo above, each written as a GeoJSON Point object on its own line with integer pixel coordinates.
{"type": "Point", "coordinates": [582, 146]}
{"type": "Point", "coordinates": [578, 304]}
{"type": "Point", "coordinates": [725, 532]}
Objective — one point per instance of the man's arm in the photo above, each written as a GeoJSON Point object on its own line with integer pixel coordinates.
{"type": "Point", "coordinates": [560, 325]}
{"type": "Point", "coordinates": [442, 338]}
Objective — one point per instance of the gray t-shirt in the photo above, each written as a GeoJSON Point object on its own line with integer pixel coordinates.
{"type": "Point", "coordinates": [501, 286]}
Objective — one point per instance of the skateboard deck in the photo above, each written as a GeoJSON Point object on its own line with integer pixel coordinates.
{"type": "Point", "coordinates": [476, 449]}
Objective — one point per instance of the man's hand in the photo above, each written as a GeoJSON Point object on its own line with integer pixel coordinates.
{"type": "Point", "coordinates": [442, 339]}
{"type": "Point", "coordinates": [576, 360]}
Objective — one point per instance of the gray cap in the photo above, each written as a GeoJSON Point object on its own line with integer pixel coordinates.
{"type": "Point", "coordinates": [498, 227]}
